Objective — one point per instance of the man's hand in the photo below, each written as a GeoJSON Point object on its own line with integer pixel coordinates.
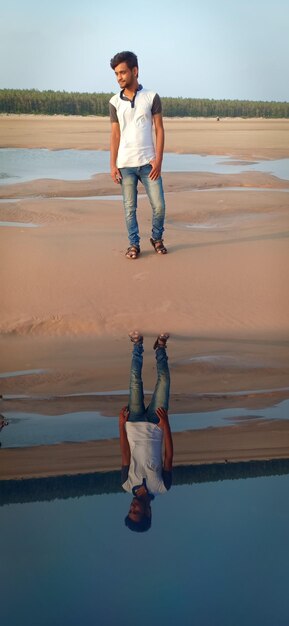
{"type": "Point", "coordinates": [115, 175]}
{"type": "Point", "coordinates": [163, 417]}
{"type": "Point", "coordinates": [156, 170]}
{"type": "Point", "coordinates": [124, 415]}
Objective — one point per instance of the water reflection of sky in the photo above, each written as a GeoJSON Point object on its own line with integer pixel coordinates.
{"type": "Point", "coordinates": [22, 164]}
{"type": "Point", "coordinates": [216, 555]}
{"type": "Point", "coordinates": [28, 429]}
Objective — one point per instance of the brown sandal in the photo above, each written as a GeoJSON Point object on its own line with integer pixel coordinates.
{"type": "Point", "coordinates": [135, 337]}
{"type": "Point", "coordinates": [161, 341]}
{"type": "Point", "coordinates": [158, 245]}
{"type": "Point", "coordinates": [132, 252]}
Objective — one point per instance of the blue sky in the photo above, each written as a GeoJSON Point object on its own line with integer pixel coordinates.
{"type": "Point", "coordinates": [209, 49]}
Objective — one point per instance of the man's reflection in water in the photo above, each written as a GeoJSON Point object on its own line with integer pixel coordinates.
{"type": "Point", "coordinates": [142, 431]}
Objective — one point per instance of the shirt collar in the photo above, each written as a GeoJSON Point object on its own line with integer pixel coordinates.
{"type": "Point", "coordinates": [144, 483]}
{"type": "Point", "coordinates": [123, 97]}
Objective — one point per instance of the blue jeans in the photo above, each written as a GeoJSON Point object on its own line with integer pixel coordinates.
{"type": "Point", "coordinates": [154, 190]}
{"type": "Point", "coordinates": [160, 398]}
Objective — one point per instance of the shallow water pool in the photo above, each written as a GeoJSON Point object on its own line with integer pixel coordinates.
{"type": "Point", "coordinates": [30, 429]}
{"type": "Point", "coordinates": [216, 555]}
{"type": "Point", "coordinates": [23, 164]}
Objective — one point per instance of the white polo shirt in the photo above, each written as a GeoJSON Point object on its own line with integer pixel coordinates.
{"type": "Point", "coordinates": [145, 441]}
{"type": "Point", "coordinates": [134, 116]}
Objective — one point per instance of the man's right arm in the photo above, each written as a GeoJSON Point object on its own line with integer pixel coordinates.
{"type": "Point", "coordinates": [124, 445]}
{"type": "Point", "coordinates": [168, 440]}
{"type": "Point", "coordinates": [114, 146]}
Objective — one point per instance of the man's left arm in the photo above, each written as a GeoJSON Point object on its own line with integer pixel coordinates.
{"type": "Point", "coordinates": [160, 142]}
{"type": "Point", "coordinates": [164, 424]}
{"type": "Point", "coordinates": [168, 445]}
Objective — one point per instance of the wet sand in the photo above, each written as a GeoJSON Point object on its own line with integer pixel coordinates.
{"type": "Point", "coordinates": [243, 441]}
{"type": "Point", "coordinates": [69, 296]}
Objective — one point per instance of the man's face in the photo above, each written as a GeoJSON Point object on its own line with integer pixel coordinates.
{"type": "Point", "coordinates": [137, 510]}
{"type": "Point", "coordinates": [125, 77]}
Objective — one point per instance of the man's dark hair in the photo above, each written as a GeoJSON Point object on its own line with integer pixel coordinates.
{"type": "Point", "coordinates": [124, 57]}
{"type": "Point", "coordinates": [138, 527]}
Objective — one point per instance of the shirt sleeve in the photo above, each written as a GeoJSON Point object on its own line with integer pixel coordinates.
{"type": "Point", "coordinates": [112, 113]}
{"type": "Point", "coordinates": [124, 473]}
{"type": "Point", "coordinates": [156, 105]}
{"type": "Point", "coordinates": [167, 478]}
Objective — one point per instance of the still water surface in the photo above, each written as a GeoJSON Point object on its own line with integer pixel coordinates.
{"type": "Point", "coordinates": [22, 164]}
{"type": "Point", "coordinates": [216, 555]}
{"type": "Point", "coordinates": [28, 429]}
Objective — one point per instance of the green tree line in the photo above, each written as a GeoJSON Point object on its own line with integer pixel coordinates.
{"type": "Point", "coordinates": [74, 103]}
{"type": "Point", "coordinates": [75, 486]}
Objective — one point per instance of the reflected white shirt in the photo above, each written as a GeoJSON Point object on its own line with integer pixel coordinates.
{"type": "Point", "coordinates": [145, 442]}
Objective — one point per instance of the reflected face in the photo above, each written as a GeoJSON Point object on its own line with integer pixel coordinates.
{"type": "Point", "coordinates": [137, 510]}
{"type": "Point", "coordinates": [125, 77]}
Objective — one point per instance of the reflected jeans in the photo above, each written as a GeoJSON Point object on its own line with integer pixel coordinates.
{"type": "Point", "coordinates": [155, 193]}
{"type": "Point", "coordinates": [160, 398]}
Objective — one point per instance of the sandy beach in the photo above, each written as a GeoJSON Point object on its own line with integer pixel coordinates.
{"type": "Point", "coordinates": [245, 138]}
{"type": "Point", "coordinates": [70, 297]}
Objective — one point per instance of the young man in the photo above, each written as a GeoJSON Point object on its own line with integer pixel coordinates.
{"type": "Point", "coordinates": [133, 156]}
{"type": "Point", "coordinates": [142, 431]}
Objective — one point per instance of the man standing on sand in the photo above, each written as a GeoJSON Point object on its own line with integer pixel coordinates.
{"type": "Point", "coordinates": [133, 156]}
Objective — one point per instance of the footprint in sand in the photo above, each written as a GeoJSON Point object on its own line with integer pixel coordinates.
{"type": "Point", "coordinates": [140, 276]}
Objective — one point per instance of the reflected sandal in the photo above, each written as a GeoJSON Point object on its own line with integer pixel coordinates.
{"type": "Point", "coordinates": [161, 341]}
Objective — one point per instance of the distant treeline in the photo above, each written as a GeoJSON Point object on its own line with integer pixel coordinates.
{"type": "Point", "coordinates": [76, 486]}
{"type": "Point", "coordinates": [73, 103]}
